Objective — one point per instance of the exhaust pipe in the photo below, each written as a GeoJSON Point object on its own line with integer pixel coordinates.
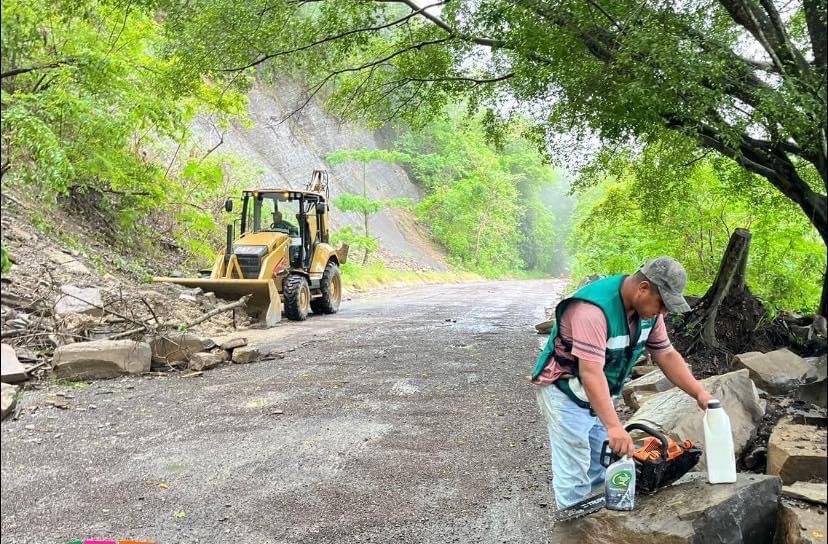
{"type": "Point", "coordinates": [229, 250]}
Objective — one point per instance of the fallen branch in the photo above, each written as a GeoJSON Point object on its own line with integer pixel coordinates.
{"type": "Point", "coordinates": [35, 367]}
{"type": "Point", "coordinates": [221, 309]}
{"type": "Point", "coordinates": [212, 313]}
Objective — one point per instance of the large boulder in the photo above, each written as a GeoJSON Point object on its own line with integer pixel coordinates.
{"type": "Point", "coordinates": [798, 524]}
{"type": "Point", "coordinates": [9, 398]}
{"type": "Point", "coordinates": [691, 511]}
{"type": "Point", "coordinates": [79, 300]}
{"type": "Point", "coordinates": [797, 453]}
{"type": "Point", "coordinates": [652, 382]}
{"type": "Point", "coordinates": [176, 347]}
{"type": "Point", "coordinates": [777, 372]}
{"type": "Point", "coordinates": [814, 393]}
{"type": "Point", "coordinates": [101, 359]}
{"type": "Point", "coordinates": [642, 370]}
{"type": "Point", "coordinates": [678, 414]}
{"type": "Point", "coordinates": [12, 370]}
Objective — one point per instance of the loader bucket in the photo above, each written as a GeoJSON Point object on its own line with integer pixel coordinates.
{"type": "Point", "coordinates": [265, 296]}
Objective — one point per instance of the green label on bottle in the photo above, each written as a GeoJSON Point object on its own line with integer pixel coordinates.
{"type": "Point", "coordinates": [621, 479]}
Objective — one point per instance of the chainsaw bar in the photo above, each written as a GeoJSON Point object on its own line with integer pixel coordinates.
{"type": "Point", "coordinates": [580, 509]}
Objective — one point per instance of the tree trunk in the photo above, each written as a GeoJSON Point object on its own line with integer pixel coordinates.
{"type": "Point", "coordinates": [823, 301]}
{"type": "Point", "coordinates": [730, 279]}
{"type": "Point", "coordinates": [365, 215]}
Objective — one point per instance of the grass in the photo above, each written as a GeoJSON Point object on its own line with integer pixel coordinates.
{"type": "Point", "coordinates": [357, 277]}
{"type": "Point", "coordinates": [76, 384]}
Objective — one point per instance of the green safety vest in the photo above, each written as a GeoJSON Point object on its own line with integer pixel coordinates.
{"type": "Point", "coordinates": [622, 350]}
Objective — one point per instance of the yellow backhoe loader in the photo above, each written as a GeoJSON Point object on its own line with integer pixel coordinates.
{"type": "Point", "coordinates": [282, 254]}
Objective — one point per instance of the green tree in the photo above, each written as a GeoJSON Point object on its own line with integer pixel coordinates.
{"type": "Point", "coordinates": [743, 78]}
{"type": "Point", "coordinates": [92, 110]}
{"type": "Point", "coordinates": [362, 204]}
{"type": "Point", "coordinates": [484, 203]}
{"type": "Point", "coordinates": [618, 229]}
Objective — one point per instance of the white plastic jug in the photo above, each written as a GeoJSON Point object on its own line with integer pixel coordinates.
{"type": "Point", "coordinates": [718, 445]}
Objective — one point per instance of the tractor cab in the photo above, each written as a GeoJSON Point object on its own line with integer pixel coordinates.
{"type": "Point", "coordinates": [269, 216]}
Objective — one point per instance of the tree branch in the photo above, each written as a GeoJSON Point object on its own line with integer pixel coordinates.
{"type": "Point", "coordinates": [331, 38]}
{"type": "Point", "coordinates": [314, 89]}
{"type": "Point", "coordinates": [50, 66]}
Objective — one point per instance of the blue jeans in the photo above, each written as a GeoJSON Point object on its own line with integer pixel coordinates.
{"type": "Point", "coordinates": [575, 440]}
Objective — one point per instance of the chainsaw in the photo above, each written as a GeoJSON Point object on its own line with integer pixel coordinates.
{"type": "Point", "coordinates": [659, 461]}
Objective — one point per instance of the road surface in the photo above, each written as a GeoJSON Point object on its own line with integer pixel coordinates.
{"type": "Point", "coordinates": [407, 417]}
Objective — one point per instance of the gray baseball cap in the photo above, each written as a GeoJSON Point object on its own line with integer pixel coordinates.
{"type": "Point", "coordinates": [669, 276]}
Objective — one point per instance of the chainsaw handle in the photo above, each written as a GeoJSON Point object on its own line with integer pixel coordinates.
{"type": "Point", "coordinates": [608, 456]}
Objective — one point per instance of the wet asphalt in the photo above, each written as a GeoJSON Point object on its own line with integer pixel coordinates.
{"type": "Point", "coordinates": [406, 417]}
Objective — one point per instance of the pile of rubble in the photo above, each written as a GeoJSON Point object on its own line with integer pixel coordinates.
{"type": "Point", "coordinates": [58, 318]}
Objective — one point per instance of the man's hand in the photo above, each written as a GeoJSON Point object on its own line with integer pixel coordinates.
{"type": "Point", "coordinates": [703, 398]}
{"type": "Point", "coordinates": [620, 441]}
{"type": "Point", "coordinates": [676, 370]}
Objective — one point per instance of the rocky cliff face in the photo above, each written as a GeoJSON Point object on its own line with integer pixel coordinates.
{"type": "Point", "coordinates": [289, 151]}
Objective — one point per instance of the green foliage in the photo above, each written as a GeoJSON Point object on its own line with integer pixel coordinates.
{"type": "Point", "coordinates": [94, 107]}
{"type": "Point", "coordinates": [484, 204]}
{"type": "Point", "coordinates": [361, 204]}
{"type": "Point", "coordinates": [359, 241]}
{"type": "Point", "coordinates": [349, 202]}
{"type": "Point", "coordinates": [5, 262]}
{"type": "Point", "coordinates": [689, 211]}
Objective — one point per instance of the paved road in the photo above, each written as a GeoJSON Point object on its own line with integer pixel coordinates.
{"type": "Point", "coordinates": [404, 418]}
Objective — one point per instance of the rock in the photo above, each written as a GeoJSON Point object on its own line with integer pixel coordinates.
{"type": "Point", "coordinates": [820, 326]}
{"type": "Point", "coordinates": [797, 453]}
{"type": "Point", "coordinates": [12, 370]}
{"type": "Point", "coordinates": [224, 354]}
{"type": "Point", "coordinates": [817, 368]}
{"type": "Point", "coordinates": [234, 343]}
{"type": "Point", "coordinates": [678, 414]}
{"type": "Point", "coordinates": [642, 370]}
{"type": "Point", "coordinates": [205, 361]}
{"type": "Point", "coordinates": [247, 354]}
{"type": "Point", "coordinates": [175, 347]}
{"type": "Point", "coordinates": [101, 359]}
{"type": "Point", "coordinates": [9, 398]}
{"type": "Point", "coordinates": [691, 511]}
{"type": "Point", "coordinates": [814, 393]}
{"type": "Point", "coordinates": [188, 298]}
{"type": "Point", "coordinates": [777, 372]}
{"type": "Point", "coordinates": [798, 525]}
{"type": "Point", "coordinates": [26, 354]}
{"type": "Point", "coordinates": [815, 492]}
{"type": "Point", "coordinates": [195, 291]}
{"type": "Point", "coordinates": [545, 327]}
{"type": "Point", "coordinates": [74, 301]}
{"type": "Point", "coordinates": [652, 382]}
{"type": "Point", "coordinates": [79, 323]}
{"type": "Point", "coordinates": [637, 398]}
{"type": "Point", "coordinates": [67, 262]}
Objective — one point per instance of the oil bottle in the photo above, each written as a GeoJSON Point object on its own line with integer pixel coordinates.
{"type": "Point", "coordinates": [619, 485]}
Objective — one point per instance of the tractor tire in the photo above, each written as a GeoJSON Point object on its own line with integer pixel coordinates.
{"type": "Point", "coordinates": [331, 287]}
{"type": "Point", "coordinates": [297, 297]}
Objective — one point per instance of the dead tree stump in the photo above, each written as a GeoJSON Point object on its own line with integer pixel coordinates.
{"type": "Point", "coordinates": [701, 323]}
